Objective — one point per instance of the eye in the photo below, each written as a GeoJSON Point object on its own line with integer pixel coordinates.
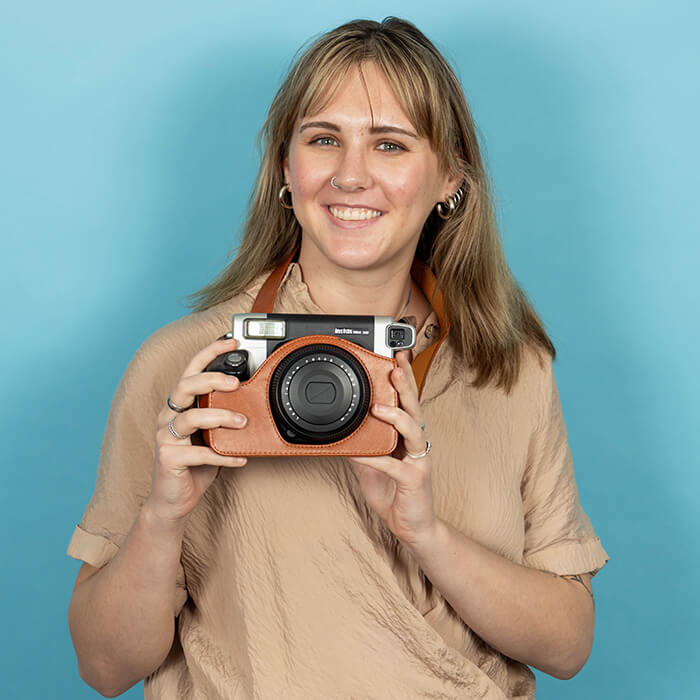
{"type": "Point", "coordinates": [390, 147]}
{"type": "Point", "coordinates": [324, 141]}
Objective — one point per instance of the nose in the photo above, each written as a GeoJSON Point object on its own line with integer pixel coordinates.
{"type": "Point", "coordinates": [352, 172]}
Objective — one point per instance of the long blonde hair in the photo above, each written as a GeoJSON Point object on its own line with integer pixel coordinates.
{"type": "Point", "coordinates": [490, 315]}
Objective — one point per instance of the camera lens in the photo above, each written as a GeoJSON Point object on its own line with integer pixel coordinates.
{"type": "Point", "coordinates": [319, 394]}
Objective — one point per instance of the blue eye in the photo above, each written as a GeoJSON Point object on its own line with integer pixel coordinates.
{"type": "Point", "coordinates": [391, 147]}
{"type": "Point", "coordinates": [386, 146]}
{"type": "Point", "coordinates": [325, 140]}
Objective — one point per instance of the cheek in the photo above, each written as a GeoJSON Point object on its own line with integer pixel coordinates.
{"type": "Point", "coordinates": [412, 186]}
{"type": "Point", "coordinates": [307, 179]}
{"type": "Point", "coordinates": [306, 184]}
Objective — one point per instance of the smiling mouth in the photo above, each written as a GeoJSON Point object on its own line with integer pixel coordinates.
{"type": "Point", "coordinates": [354, 213]}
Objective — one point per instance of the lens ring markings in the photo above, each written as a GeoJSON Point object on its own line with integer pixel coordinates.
{"type": "Point", "coordinates": [319, 394]}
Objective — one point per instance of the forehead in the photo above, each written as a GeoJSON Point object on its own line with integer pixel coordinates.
{"type": "Point", "coordinates": [363, 96]}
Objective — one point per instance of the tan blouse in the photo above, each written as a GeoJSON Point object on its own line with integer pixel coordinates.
{"type": "Point", "coordinates": [290, 585]}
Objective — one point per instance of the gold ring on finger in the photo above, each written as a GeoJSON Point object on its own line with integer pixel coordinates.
{"type": "Point", "coordinates": [174, 432]}
{"type": "Point", "coordinates": [176, 408]}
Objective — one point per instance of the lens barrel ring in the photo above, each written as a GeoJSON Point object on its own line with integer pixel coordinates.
{"type": "Point", "coordinates": [319, 394]}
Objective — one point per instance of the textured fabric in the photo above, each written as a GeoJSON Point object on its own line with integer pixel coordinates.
{"type": "Point", "coordinates": [291, 587]}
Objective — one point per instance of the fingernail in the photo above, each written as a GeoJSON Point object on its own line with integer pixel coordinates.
{"type": "Point", "coordinates": [231, 380]}
{"type": "Point", "coordinates": [379, 408]}
{"type": "Point", "coordinates": [239, 420]}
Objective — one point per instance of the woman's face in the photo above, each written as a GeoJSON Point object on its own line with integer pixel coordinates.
{"type": "Point", "coordinates": [388, 176]}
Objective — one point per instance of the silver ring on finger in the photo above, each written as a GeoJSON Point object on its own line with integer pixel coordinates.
{"type": "Point", "coordinates": [428, 447]}
{"type": "Point", "coordinates": [176, 408]}
{"type": "Point", "coordinates": [174, 432]}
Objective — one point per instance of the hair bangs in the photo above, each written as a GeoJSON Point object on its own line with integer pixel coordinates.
{"type": "Point", "coordinates": [419, 96]}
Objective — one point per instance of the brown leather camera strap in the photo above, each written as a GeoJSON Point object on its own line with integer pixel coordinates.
{"type": "Point", "coordinates": [422, 276]}
{"type": "Point", "coordinates": [425, 279]}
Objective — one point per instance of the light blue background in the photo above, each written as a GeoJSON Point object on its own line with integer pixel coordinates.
{"type": "Point", "coordinates": [126, 158]}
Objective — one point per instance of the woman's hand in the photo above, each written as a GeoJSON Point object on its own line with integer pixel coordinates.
{"type": "Point", "coordinates": [399, 487]}
{"type": "Point", "coordinates": [182, 472]}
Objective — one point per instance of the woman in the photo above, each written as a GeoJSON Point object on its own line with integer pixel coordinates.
{"type": "Point", "coordinates": [438, 572]}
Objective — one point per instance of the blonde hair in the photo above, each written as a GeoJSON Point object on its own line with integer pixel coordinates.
{"type": "Point", "coordinates": [491, 318]}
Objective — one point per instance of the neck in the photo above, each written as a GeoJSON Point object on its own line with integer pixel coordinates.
{"type": "Point", "coordinates": [381, 292]}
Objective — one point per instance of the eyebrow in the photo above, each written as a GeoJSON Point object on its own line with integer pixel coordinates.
{"type": "Point", "coordinates": [381, 129]}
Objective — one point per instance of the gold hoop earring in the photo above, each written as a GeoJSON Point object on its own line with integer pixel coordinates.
{"type": "Point", "coordinates": [286, 188]}
{"type": "Point", "coordinates": [447, 209]}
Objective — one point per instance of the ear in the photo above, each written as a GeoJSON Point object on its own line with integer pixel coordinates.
{"type": "Point", "coordinates": [285, 168]}
{"type": "Point", "coordinates": [454, 182]}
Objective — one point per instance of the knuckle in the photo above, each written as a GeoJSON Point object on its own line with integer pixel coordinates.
{"type": "Point", "coordinates": [218, 344]}
{"type": "Point", "coordinates": [166, 454]}
{"type": "Point", "coordinates": [184, 422]}
{"type": "Point", "coordinates": [183, 385]}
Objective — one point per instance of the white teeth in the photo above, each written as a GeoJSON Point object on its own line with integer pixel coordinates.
{"type": "Point", "coordinates": [354, 213]}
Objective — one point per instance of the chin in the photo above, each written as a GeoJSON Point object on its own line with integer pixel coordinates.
{"type": "Point", "coordinates": [351, 257]}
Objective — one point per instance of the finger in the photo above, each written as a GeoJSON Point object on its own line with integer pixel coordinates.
{"type": "Point", "coordinates": [409, 429]}
{"type": "Point", "coordinates": [179, 457]}
{"type": "Point", "coordinates": [189, 388]}
{"type": "Point", "coordinates": [404, 359]}
{"type": "Point", "coordinates": [195, 419]}
{"type": "Point", "coordinates": [408, 477]}
{"type": "Point", "coordinates": [408, 353]}
{"type": "Point", "coordinates": [199, 362]}
{"type": "Point", "coordinates": [387, 465]}
{"type": "Point", "coordinates": [408, 393]}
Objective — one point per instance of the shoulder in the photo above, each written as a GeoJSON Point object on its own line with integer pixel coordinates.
{"type": "Point", "coordinates": [535, 373]}
{"type": "Point", "coordinates": [527, 402]}
{"type": "Point", "coordinates": [537, 385]}
{"type": "Point", "coordinates": [536, 369]}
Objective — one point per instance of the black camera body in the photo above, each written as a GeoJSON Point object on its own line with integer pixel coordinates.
{"type": "Point", "coordinates": [259, 335]}
{"type": "Point", "coordinates": [321, 391]}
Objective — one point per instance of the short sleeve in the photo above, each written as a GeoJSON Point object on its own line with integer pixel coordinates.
{"type": "Point", "coordinates": [126, 462]}
{"type": "Point", "coordinates": [559, 536]}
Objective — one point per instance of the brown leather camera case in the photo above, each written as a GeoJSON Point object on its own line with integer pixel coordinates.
{"type": "Point", "coordinates": [260, 437]}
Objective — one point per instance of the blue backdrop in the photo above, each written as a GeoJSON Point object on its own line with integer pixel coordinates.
{"type": "Point", "coordinates": [126, 159]}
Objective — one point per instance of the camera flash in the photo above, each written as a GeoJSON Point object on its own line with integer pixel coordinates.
{"type": "Point", "coordinates": [260, 328]}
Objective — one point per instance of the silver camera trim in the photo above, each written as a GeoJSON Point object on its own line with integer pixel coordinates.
{"type": "Point", "coordinates": [257, 347]}
{"type": "Point", "coordinates": [382, 326]}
